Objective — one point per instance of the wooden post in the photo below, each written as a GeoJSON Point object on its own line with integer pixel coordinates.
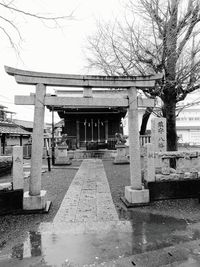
{"type": "Point", "coordinates": [92, 130]}
{"type": "Point", "coordinates": [85, 123]}
{"type": "Point", "coordinates": [106, 130]}
{"type": "Point", "coordinates": [77, 134]}
{"type": "Point", "coordinates": [20, 140]}
{"type": "Point", "coordinates": [3, 137]}
{"type": "Point", "coordinates": [53, 139]}
{"type": "Point", "coordinates": [98, 130]}
{"type": "Point", "coordinates": [134, 146]}
{"type": "Point", "coordinates": [37, 141]}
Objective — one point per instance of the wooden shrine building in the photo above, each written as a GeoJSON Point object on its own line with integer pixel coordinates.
{"type": "Point", "coordinates": [91, 128]}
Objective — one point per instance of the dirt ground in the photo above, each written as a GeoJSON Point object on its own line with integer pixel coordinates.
{"type": "Point", "coordinates": [56, 184]}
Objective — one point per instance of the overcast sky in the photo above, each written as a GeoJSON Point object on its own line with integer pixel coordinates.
{"type": "Point", "coordinates": [57, 50]}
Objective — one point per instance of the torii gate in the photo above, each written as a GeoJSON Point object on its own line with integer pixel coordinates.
{"type": "Point", "coordinates": [36, 198]}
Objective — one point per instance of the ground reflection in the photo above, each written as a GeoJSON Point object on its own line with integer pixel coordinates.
{"type": "Point", "coordinates": [146, 232]}
{"type": "Point", "coordinates": [30, 248]}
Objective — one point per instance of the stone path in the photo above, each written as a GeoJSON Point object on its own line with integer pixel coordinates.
{"type": "Point", "coordinates": [88, 198]}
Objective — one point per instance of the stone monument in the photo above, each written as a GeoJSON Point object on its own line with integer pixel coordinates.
{"type": "Point", "coordinates": [62, 157]}
{"type": "Point", "coordinates": [121, 157]}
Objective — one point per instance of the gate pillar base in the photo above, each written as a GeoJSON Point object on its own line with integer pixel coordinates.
{"type": "Point", "coordinates": [135, 197]}
{"type": "Point", "coordinates": [37, 202]}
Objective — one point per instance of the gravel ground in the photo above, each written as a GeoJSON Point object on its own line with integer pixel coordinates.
{"type": "Point", "coordinates": [119, 177]}
{"type": "Point", "coordinates": [56, 184]}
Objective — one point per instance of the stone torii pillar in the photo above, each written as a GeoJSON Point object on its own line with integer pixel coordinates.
{"type": "Point", "coordinates": [135, 194]}
{"type": "Point", "coordinates": [35, 198]}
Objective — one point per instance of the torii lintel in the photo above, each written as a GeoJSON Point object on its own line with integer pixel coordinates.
{"type": "Point", "coordinates": [73, 80]}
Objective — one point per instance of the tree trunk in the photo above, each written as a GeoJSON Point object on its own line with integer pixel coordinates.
{"type": "Point", "coordinates": [169, 90]}
{"type": "Point", "coordinates": [145, 119]}
{"type": "Point", "coordinates": [169, 112]}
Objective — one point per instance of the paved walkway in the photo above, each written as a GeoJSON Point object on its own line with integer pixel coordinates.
{"type": "Point", "coordinates": [88, 198]}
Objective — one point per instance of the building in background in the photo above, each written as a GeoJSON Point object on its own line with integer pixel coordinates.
{"type": "Point", "coordinates": [188, 125]}
{"type": "Point", "coordinates": [11, 134]}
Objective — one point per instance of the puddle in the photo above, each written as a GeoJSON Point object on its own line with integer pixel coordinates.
{"type": "Point", "coordinates": [65, 246]}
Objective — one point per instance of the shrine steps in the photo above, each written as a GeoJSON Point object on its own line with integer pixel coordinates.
{"type": "Point", "coordinates": [87, 154]}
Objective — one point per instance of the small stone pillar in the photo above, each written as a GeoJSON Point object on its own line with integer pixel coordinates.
{"type": "Point", "coordinates": [35, 198]}
{"type": "Point", "coordinates": [17, 169]}
{"type": "Point", "coordinates": [62, 157]}
{"type": "Point", "coordinates": [134, 194]}
{"type": "Point", "coordinates": [180, 166]}
{"type": "Point", "coordinates": [121, 155]}
{"type": "Point", "coordinates": [194, 165]}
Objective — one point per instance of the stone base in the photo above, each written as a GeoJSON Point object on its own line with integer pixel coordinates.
{"type": "Point", "coordinates": [121, 160]}
{"type": "Point", "coordinates": [136, 197]}
{"type": "Point", "coordinates": [62, 161]}
{"type": "Point", "coordinates": [35, 202]}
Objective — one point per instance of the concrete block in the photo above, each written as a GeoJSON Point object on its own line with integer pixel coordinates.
{"type": "Point", "coordinates": [34, 202]}
{"type": "Point", "coordinates": [136, 196]}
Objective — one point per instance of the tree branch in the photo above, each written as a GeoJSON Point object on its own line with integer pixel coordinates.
{"type": "Point", "coordinates": [8, 6]}
{"type": "Point", "coordinates": [194, 20]}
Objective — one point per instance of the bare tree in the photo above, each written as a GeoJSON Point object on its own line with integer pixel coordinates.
{"type": "Point", "coordinates": [164, 39]}
{"type": "Point", "coordinates": [10, 12]}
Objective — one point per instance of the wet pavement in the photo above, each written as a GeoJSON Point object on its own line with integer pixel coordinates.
{"type": "Point", "coordinates": [107, 243]}
{"type": "Point", "coordinates": [81, 236]}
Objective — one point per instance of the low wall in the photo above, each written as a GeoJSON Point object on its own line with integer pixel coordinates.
{"type": "Point", "coordinates": [5, 165]}
{"type": "Point", "coordinates": [164, 182]}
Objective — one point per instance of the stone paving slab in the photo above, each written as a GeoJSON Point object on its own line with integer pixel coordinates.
{"type": "Point", "coordinates": [86, 227]}
{"type": "Point", "coordinates": [88, 198]}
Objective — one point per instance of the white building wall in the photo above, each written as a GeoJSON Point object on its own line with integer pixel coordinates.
{"type": "Point", "coordinates": [188, 125]}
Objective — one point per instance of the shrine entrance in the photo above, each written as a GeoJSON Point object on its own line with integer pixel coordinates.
{"type": "Point", "coordinates": [135, 194]}
{"type": "Point", "coordinates": [92, 130]}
